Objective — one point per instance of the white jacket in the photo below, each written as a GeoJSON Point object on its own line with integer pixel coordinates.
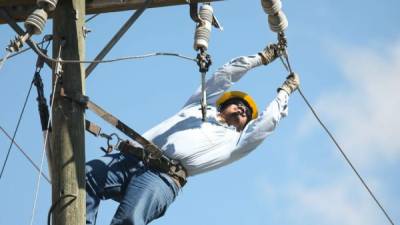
{"type": "Point", "coordinates": [203, 146]}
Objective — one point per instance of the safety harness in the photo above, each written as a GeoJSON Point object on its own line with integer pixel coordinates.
{"type": "Point", "coordinates": [149, 153]}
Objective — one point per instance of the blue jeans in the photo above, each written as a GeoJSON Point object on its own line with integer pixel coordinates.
{"type": "Point", "coordinates": [143, 194]}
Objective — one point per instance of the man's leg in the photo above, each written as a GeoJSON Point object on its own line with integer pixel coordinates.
{"type": "Point", "coordinates": [106, 178]}
{"type": "Point", "coordinates": [147, 197]}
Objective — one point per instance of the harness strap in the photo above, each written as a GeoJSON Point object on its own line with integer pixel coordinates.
{"type": "Point", "coordinates": [150, 153]}
{"type": "Point", "coordinates": [153, 150]}
{"type": "Point", "coordinates": [162, 164]}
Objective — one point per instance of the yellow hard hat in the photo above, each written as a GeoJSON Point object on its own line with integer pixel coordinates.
{"type": "Point", "coordinates": [242, 95]}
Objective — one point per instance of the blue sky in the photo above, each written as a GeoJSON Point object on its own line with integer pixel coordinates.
{"type": "Point", "coordinates": [348, 56]}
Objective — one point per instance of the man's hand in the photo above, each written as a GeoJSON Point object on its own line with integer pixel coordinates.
{"type": "Point", "coordinates": [291, 83]}
{"type": "Point", "coordinates": [269, 54]}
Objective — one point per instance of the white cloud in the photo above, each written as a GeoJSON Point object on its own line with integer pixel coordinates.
{"type": "Point", "coordinates": [328, 204]}
{"type": "Point", "coordinates": [365, 115]}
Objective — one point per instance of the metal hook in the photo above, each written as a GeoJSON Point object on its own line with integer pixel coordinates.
{"type": "Point", "coordinates": [109, 138]}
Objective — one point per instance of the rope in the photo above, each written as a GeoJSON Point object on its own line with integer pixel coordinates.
{"type": "Point", "coordinates": [16, 130]}
{"type": "Point", "coordinates": [25, 154]}
{"type": "Point", "coordinates": [288, 68]}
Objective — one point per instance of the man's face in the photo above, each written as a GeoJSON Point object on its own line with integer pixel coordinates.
{"type": "Point", "coordinates": [235, 114]}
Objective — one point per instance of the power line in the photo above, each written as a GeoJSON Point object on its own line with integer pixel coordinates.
{"type": "Point", "coordinates": [25, 154]}
{"type": "Point", "coordinates": [116, 59]}
{"type": "Point", "coordinates": [16, 130]}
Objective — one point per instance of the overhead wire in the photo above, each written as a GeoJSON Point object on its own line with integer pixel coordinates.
{"type": "Point", "coordinates": [56, 81]}
{"type": "Point", "coordinates": [289, 69]}
{"type": "Point", "coordinates": [16, 130]}
{"type": "Point", "coordinates": [25, 154]}
{"type": "Point", "coordinates": [64, 61]}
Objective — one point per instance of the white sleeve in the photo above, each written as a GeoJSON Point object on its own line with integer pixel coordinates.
{"type": "Point", "coordinates": [257, 130]}
{"type": "Point", "coordinates": [225, 77]}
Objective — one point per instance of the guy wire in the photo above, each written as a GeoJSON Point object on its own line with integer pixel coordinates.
{"type": "Point", "coordinates": [288, 68]}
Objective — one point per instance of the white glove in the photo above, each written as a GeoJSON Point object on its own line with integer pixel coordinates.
{"type": "Point", "coordinates": [291, 83]}
{"type": "Point", "coordinates": [269, 54]}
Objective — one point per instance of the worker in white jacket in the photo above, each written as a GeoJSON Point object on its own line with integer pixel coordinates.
{"type": "Point", "coordinates": [232, 129]}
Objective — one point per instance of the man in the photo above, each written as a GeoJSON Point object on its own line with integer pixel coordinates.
{"type": "Point", "coordinates": [232, 129]}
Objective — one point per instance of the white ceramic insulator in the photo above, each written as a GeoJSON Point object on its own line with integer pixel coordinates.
{"type": "Point", "coordinates": [36, 21]}
{"type": "Point", "coordinates": [48, 5]}
{"type": "Point", "coordinates": [271, 7]}
{"type": "Point", "coordinates": [278, 22]}
{"type": "Point", "coordinates": [203, 29]}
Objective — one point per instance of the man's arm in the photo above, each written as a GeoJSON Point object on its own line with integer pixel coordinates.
{"type": "Point", "coordinates": [225, 77]}
{"type": "Point", "coordinates": [231, 72]}
{"type": "Point", "coordinates": [259, 129]}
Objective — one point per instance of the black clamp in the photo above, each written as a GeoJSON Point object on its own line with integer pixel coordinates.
{"type": "Point", "coordinates": [203, 61]}
{"type": "Point", "coordinates": [282, 44]}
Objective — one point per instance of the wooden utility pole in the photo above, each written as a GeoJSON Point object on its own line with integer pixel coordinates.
{"type": "Point", "coordinates": [68, 124]}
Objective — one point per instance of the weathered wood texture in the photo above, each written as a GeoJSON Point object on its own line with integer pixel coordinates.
{"type": "Point", "coordinates": [20, 9]}
{"type": "Point", "coordinates": [68, 122]}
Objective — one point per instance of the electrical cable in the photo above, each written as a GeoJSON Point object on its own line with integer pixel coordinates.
{"type": "Point", "coordinates": [56, 82]}
{"type": "Point", "coordinates": [44, 150]}
{"type": "Point", "coordinates": [116, 59]}
{"type": "Point", "coordinates": [288, 68]}
{"type": "Point", "coordinates": [25, 154]}
{"type": "Point", "coordinates": [54, 205]}
{"type": "Point", "coordinates": [16, 130]}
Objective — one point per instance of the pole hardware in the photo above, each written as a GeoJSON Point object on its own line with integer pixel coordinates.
{"type": "Point", "coordinates": [42, 103]}
{"type": "Point", "coordinates": [193, 9]}
{"type": "Point", "coordinates": [34, 24]}
{"type": "Point", "coordinates": [201, 39]}
{"type": "Point", "coordinates": [204, 62]}
{"type": "Point", "coordinates": [48, 5]}
{"type": "Point", "coordinates": [109, 138]}
{"type": "Point", "coordinates": [276, 17]}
